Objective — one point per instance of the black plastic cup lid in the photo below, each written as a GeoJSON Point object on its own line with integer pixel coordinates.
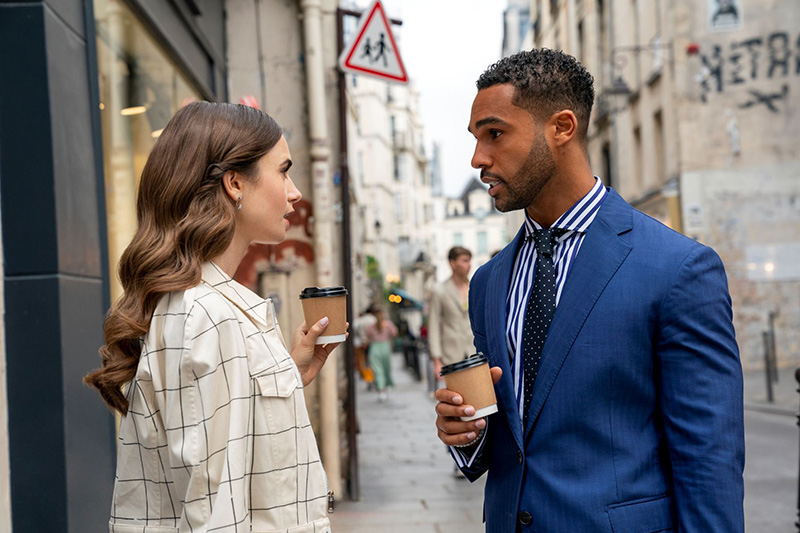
{"type": "Point", "coordinates": [324, 292]}
{"type": "Point", "coordinates": [471, 361]}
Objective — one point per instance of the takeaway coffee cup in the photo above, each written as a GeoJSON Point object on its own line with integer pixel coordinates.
{"type": "Point", "coordinates": [330, 302]}
{"type": "Point", "coordinates": [473, 381]}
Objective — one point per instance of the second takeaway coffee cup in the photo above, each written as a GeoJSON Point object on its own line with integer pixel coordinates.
{"type": "Point", "coordinates": [330, 302]}
{"type": "Point", "coordinates": [473, 381]}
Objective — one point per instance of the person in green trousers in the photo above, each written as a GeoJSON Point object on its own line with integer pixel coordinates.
{"type": "Point", "coordinates": [379, 336]}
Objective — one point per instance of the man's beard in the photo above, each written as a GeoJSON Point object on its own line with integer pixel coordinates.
{"type": "Point", "coordinates": [536, 171]}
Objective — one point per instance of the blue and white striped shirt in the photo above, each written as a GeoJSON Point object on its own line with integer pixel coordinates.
{"type": "Point", "coordinates": [576, 221]}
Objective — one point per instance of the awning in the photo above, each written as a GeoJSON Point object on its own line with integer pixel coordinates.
{"type": "Point", "coordinates": [406, 300]}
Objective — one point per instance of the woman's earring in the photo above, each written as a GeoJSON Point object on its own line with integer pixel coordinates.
{"type": "Point", "coordinates": [239, 204]}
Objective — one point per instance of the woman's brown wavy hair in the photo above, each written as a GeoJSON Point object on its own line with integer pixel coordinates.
{"type": "Point", "coordinates": [185, 218]}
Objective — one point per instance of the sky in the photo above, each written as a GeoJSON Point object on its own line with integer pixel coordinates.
{"type": "Point", "coordinates": [445, 45]}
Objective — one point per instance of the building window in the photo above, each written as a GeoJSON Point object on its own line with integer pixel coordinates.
{"type": "Point", "coordinates": [140, 89]}
{"type": "Point", "coordinates": [637, 158]}
{"type": "Point", "coordinates": [483, 243]}
{"type": "Point", "coordinates": [398, 208]}
{"type": "Point", "coordinates": [603, 49]}
{"type": "Point", "coordinates": [458, 239]}
{"type": "Point", "coordinates": [607, 176]}
{"type": "Point", "coordinates": [396, 165]}
{"type": "Point", "coordinates": [658, 144]}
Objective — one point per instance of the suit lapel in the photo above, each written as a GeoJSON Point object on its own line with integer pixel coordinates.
{"type": "Point", "coordinates": [452, 292]}
{"type": "Point", "coordinates": [601, 254]}
{"type": "Point", "coordinates": [496, 293]}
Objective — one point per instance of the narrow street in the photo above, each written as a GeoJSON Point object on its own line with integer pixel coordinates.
{"type": "Point", "coordinates": [407, 483]}
{"type": "Point", "coordinates": [770, 476]}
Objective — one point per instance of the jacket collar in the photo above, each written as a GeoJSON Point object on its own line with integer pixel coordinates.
{"type": "Point", "coordinates": [253, 305]}
{"type": "Point", "coordinates": [452, 291]}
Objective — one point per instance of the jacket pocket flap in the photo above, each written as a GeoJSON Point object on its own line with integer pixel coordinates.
{"type": "Point", "coordinates": [114, 527]}
{"type": "Point", "coordinates": [281, 381]}
{"type": "Point", "coordinates": [642, 516]}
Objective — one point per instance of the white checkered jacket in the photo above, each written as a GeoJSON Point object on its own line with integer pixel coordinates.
{"type": "Point", "coordinates": [217, 436]}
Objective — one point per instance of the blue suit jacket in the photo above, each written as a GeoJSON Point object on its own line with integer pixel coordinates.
{"type": "Point", "coordinates": [636, 422]}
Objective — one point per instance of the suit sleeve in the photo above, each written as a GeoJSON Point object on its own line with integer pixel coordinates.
{"type": "Point", "coordinates": [700, 387]}
{"type": "Point", "coordinates": [435, 325]}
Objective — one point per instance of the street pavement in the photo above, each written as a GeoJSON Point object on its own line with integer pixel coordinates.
{"type": "Point", "coordinates": [784, 392]}
{"type": "Point", "coordinates": [407, 484]}
{"type": "Point", "coordinates": [771, 453]}
{"type": "Point", "coordinates": [770, 473]}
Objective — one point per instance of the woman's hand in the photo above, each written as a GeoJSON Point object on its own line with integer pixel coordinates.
{"type": "Point", "coordinates": [309, 356]}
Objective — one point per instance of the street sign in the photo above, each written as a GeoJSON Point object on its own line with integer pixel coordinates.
{"type": "Point", "coordinates": [374, 51]}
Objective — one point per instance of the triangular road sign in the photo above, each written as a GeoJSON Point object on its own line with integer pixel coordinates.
{"type": "Point", "coordinates": [374, 50]}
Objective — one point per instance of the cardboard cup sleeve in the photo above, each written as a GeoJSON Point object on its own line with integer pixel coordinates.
{"type": "Point", "coordinates": [330, 302]}
{"type": "Point", "coordinates": [472, 379]}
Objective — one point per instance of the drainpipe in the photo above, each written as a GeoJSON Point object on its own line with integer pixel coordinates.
{"type": "Point", "coordinates": [323, 227]}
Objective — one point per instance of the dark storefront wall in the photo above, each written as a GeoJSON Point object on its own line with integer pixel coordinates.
{"type": "Point", "coordinates": [56, 281]}
{"type": "Point", "coordinates": [60, 437]}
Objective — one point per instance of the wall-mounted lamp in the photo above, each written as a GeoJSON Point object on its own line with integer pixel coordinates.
{"type": "Point", "coordinates": [614, 98]}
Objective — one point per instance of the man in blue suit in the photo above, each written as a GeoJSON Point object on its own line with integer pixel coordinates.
{"type": "Point", "coordinates": [614, 358]}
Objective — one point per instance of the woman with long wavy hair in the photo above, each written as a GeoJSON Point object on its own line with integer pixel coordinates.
{"type": "Point", "coordinates": [215, 433]}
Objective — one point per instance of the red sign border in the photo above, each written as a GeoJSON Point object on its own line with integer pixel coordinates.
{"type": "Point", "coordinates": [354, 46]}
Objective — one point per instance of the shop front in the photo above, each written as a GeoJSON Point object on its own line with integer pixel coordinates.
{"type": "Point", "coordinates": [87, 85]}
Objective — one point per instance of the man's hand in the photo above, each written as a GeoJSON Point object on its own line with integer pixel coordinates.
{"type": "Point", "coordinates": [309, 356]}
{"type": "Point", "coordinates": [451, 430]}
{"type": "Point", "coordinates": [437, 367]}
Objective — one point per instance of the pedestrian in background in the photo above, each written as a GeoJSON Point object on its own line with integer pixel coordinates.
{"type": "Point", "coordinates": [361, 346]}
{"type": "Point", "coordinates": [214, 432]}
{"type": "Point", "coordinates": [449, 332]}
{"type": "Point", "coordinates": [617, 372]}
{"type": "Point", "coordinates": [380, 336]}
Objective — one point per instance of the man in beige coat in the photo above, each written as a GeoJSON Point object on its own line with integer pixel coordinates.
{"type": "Point", "coordinates": [449, 331]}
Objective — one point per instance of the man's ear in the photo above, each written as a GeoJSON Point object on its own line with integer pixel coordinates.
{"type": "Point", "coordinates": [233, 185]}
{"type": "Point", "coordinates": [564, 126]}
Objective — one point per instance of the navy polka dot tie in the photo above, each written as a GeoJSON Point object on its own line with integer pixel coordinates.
{"type": "Point", "coordinates": [539, 310]}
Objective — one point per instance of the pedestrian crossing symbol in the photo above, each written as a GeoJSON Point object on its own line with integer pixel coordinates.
{"type": "Point", "coordinates": [374, 51]}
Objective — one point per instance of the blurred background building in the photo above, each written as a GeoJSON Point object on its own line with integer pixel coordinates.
{"type": "Point", "coordinates": [469, 220]}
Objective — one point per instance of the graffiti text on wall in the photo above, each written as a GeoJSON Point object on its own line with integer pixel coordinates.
{"type": "Point", "coordinates": [773, 56]}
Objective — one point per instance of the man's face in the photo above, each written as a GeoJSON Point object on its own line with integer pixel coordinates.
{"type": "Point", "coordinates": [461, 265]}
{"type": "Point", "coordinates": [511, 152]}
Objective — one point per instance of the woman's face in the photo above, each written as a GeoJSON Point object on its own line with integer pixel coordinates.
{"type": "Point", "coordinates": [268, 200]}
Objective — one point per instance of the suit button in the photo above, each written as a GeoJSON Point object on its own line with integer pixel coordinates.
{"type": "Point", "coordinates": [519, 456]}
{"type": "Point", "coordinates": [525, 518]}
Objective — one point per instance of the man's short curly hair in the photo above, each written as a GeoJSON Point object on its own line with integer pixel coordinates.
{"type": "Point", "coordinates": [546, 81]}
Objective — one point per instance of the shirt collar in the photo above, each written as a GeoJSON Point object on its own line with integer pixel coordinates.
{"type": "Point", "coordinates": [575, 218]}
{"type": "Point", "coordinates": [253, 305]}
